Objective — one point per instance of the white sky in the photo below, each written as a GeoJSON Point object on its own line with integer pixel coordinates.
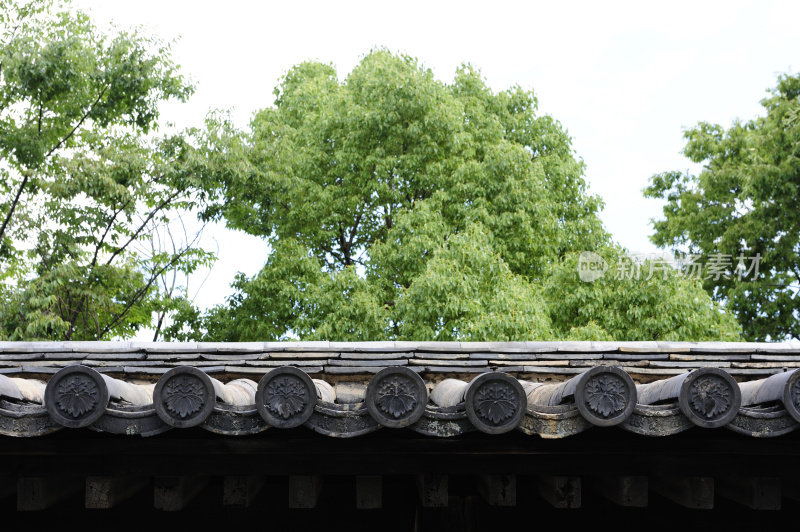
{"type": "Point", "coordinates": [624, 78]}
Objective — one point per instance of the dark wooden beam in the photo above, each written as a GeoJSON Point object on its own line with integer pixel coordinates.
{"type": "Point", "coordinates": [304, 452]}
{"type": "Point", "coordinates": [369, 492]}
{"type": "Point", "coordinates": [39, 493]}
{"type": "Point", "coordinates": [304, 491]}
{"type": "Point", "coordinates": [173, 494]}
{"type": "Point", "coordinates": [628, 491]}
{"type": "Point", "coordinates": [498, 490]}
{"type": "Point", "coordinates": [8, 486]}
{"type": "Point", "coordinates": [790, 489]}
{"type": "Point", "coordinates": [690, 492]}
{"type": "Point", "coordinates": [561, 491]}
{"type": "Point", "coordinates": [461, 514]}
{"type": "Point", "coordinates": [240, 491]}
{"type": "Point", "coordinates": [433, 490]}
{"type": "Point", "coordinates": [106, 492]}
{"type": "Point", "coordinates": [758, 493]}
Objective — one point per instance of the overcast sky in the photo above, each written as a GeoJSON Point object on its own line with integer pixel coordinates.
{"type": "Point", "coordinates": [625, 79]}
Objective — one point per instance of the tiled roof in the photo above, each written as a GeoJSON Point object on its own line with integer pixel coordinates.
{"type": "Point", "coordinates": [443, 389]}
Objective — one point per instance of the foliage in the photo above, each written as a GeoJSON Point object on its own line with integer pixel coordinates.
{"type": "Point", "coordinates": [743, 204]}
{"type": "Point", "coordinates": [85, 245]}
{"type": "Point", "coordinates": [660, 303]}
{"type": "Point", "coordinates": [401, 207]}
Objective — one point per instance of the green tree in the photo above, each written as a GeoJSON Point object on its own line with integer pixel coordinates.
{"type": "Point", "coordinates": [634, 301]}
{"type": "Point", "coordinates": [86, 194]}
{"type": "Point", "coordinates": [743, 204]}
{"type": "Point", "coordinates": [401, 207]}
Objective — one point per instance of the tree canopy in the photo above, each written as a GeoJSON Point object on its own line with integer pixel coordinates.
{"type": "Point", "coordinates": [85, 196]}
{"type": "Point", "coordinates": [398, 206]}
{"type": "Point", "coordinates": [743, 204]}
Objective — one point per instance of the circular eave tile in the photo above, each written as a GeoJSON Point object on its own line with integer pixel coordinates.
{"type": "Point", "coordinates": [76, 396]}
{"type": "Point", "coordinates": [184, 397]}
{"type": "Point", "coordinates": [396, 397]}
{"type": "Point", "coordinates": [285, 397]}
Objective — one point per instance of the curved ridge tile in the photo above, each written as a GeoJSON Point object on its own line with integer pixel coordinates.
{"type": "Point", "coordinates": [443, 422]}
{"type": "Point", "coordinates": [137, 394]}
{"type": "Point", "coordinates": [131, 420]}
{"type": "Point", "coordinates": [31, 390]}
{"type": "Point", "coordinates": [25, 420]}
{"type": "Point", "coordinates": [553, 422]}
{"type": "Point", "coordinates": [783, 387]}
{"type": "Point", "coordinates": [235, 420]}
{"type": "Point", "coordinates": [341, 421]}
{"type": "Point", "coordinates": [763, 422]}
{"type": "Point", "coordinates": [657, 420]}
{"type": "Point", "coordinates": [604, 395]}
{"type": "Point", "coordinates": [449, 392]}
{"type": "Point", "coordinates": [325, 391]}
{"type": "Point", "coordinates": [239, 392]}
{"type": "Point", "coordinates": [709, 397]}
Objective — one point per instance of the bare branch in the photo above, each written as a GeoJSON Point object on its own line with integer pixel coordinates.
{"type": "Point", "coordinates": [141, 227]}
{"type": "Point", "coordinates": [41, 112]}
{"type": "Point", "coordinates": [168, 290]}
{"type": "Point", "coordinates": [203, 282]}
{"type": "Point", "coordinates": [13, 207]}
{"type": "Point", "coordinates": [79, 124]}
{"type": "Point", "coordinates": [105, 233]}
{"type": "Point", "coordinates": [143, 290]}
